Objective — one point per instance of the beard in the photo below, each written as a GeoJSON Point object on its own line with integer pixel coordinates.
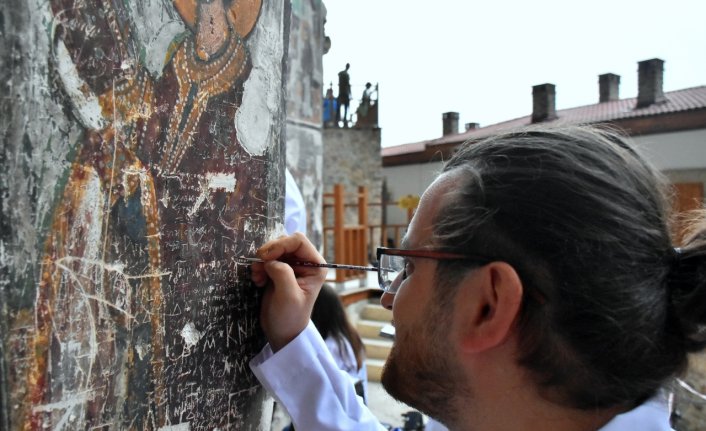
{"type": "Point", "coordinates": [421, 370]}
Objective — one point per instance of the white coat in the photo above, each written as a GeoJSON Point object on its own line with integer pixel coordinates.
{"type": "Point", "coordinates": [304, 377]}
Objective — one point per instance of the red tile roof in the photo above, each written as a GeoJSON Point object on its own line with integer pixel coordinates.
{"type": "Point", "coordinates": [689, 99]}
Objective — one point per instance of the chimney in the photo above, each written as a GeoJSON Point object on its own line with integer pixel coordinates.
{"type": "Point", "coordinates": [472, 126]}
{"type": "Point", "coordinates": [450, 120]}
{"type": "Point", "coordinates": [649, 82]}
{"type": "Point", "coordinates": [543, 102]}
{"type": "Point", "coordinates": [608, 87]}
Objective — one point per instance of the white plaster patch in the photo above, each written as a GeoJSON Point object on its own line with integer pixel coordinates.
{"type": "Point", "coordinates": [262, 97]}
{"type": "Point", "coordinates": [85, 103]}
{"type": "Point", "coordinates": [156, 25]}
{"type": "Point", "coordinates": [186, 426]}
{"type": "Point", "coordinates": [141, 350]}
{"type": "Point", "coordinates": [71, 348]}
{"type": "Point", "coordinates": [211, 182]}
{"type": "Point", "coordinates": [276, 232]}
{"type": "Point", "coordinates": [69, 401]}
{"type": "Point", "coordinates": [88, 224]}
{"type": "Point", "coordinates": [221, 181]}
{"type": "Point", "coordinates": [252, 121]}
{"type": "Point", "coordinates": [191, 335]}
{"type": "Point", "coordinates": [165, 199]}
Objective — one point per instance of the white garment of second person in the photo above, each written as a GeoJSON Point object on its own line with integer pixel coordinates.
{"type": "Point", "coordinates": [345, 359]}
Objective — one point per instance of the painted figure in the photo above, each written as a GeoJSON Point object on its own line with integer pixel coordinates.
{"type": "Point", "coordinates": [136, 292]}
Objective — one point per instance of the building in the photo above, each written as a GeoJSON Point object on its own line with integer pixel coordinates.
{"type": "Point", "coordinates": [669, 128]}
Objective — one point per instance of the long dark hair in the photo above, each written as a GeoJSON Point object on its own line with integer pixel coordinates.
{"type": "Point", "coordinates": [330, 319]}
{"type": "Point", "coordinates": [585, 221]}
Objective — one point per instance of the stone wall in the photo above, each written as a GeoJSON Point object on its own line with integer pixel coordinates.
{"type": "Point", "coordinates": [304, 104]}
{"type": "Point", "coordinates": [352, 158]}
{"type": "Point", "coordinates": [142, 151]}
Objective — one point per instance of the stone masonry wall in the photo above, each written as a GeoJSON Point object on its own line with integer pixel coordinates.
{"type": "Point", "coordinates": [352, 158]}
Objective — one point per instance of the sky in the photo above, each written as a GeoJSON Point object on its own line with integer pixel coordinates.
{"type": "Point", "coordinates": [481, 58]}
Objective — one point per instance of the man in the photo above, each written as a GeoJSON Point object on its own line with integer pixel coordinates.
{"type": "Point", "coordinates": [365, 101]}
{"type": "Point", "coordinates": [344, 95]}
{"type": "Point", "coordinates": [529, 256]}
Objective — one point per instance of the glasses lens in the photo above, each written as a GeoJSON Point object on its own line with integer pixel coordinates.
{"type": "Point", "coordinates": [390, 268]}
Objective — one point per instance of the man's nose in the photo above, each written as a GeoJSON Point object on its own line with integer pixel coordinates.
{"type": "Point", "coordinates": [386, 300]}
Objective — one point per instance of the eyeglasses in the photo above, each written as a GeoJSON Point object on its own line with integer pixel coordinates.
{"type": "Point", "coordinates": [393, 261]}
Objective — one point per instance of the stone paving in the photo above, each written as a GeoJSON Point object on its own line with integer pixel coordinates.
{"type": "Point", "coordinates": [386, 409]}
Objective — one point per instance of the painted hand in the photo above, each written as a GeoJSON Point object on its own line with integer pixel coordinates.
{"type": "Point", "coordinates": [290, 292]}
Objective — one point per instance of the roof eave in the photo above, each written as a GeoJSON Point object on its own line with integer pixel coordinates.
{"type": "Point", "coordinates": [633, 126]}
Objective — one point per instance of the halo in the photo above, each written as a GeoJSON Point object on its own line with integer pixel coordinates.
{"type": "Point", "coordinates": [242, 14]}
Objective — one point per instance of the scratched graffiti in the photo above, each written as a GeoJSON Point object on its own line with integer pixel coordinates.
{"type": "Point", "coordinates": [132, 313]}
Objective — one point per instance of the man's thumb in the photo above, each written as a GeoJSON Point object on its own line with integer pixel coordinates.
{"type": "Point", "coordinates": [281, 274]}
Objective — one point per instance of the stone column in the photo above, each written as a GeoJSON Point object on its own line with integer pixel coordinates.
{"type": "Point", "coordinates": [142, 152]}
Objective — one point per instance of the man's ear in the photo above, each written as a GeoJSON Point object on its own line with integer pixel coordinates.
{"type": "Point", "coordinates": [488, 304]}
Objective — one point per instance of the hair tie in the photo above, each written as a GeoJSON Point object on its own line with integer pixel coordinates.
{"type": "Point", "coordinates": [676, 268]}
{"type": "Point", "coordinates": [676, 258]}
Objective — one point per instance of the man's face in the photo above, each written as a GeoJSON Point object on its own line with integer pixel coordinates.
{"type": "Point", "coordinates": [422, 370]}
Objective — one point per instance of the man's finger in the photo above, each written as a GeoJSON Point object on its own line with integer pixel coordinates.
{"type": "Point", "coordinates": [258, 275]}
{"type": "Point", "coordinates": [296, 245]}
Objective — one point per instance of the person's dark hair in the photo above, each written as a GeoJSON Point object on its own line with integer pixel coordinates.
{"type": "Point", "coordinates": [611, 308]}
{"type": "Point", "coordinates": [330, 319]}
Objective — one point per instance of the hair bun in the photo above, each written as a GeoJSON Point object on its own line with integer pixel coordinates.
{"type": "Point", "coordinates": [687, 290]}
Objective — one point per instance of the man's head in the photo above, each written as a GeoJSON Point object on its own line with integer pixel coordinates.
{"type": "Point", "coordinates": [440, 320]}
{"type": "Point", "coordinates": [580, 219]}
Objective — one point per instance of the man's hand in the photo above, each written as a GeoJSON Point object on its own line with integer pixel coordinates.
{"type": "Point", "coordinates": [290, 291]}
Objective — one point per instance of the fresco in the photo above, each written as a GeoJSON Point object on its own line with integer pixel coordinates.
{"type": "Point", "coordinates": [134, 314]}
